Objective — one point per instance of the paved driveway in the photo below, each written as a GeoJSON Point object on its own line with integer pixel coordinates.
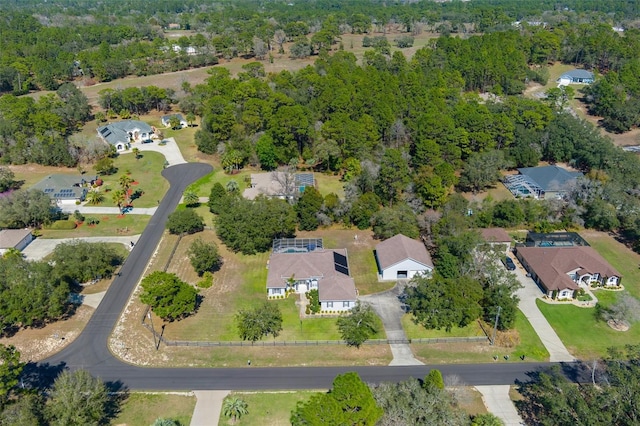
{"type": "Point", "coordinates": [389, 309]}
{"type": "Point", "coordinates": [171, 151]}
{"type": "Point", "coordinates": [528, 295]}
{"type": "Point", "coordinates": [41, 247]}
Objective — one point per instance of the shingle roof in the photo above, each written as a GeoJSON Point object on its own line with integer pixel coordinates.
{"type": "Point", "coordinates": [552, 264]}
{"type": "Point", "coordinates": [576, 73]}
{"type": "Point", "coordinates": [398, 248]}
{"type": "Point", "coordinates": [168, 117]}
{"type": "Point", "coordinates": [320, 265]}
{"type": "Point", "coordinates": [119, 131]}
{"type": "Point", "coordinates": [550, 178]}
{"type": "Point", "coordinates": [62, 187]}
{"type": "Point", "coordinates": [495, 235]}
{"type": "Point", "coordinates": [9, 238]}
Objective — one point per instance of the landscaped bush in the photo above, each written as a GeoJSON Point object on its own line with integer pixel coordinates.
{"type": "Point", "coordinates": [63, 225]}
{"type": "Point", "coordinates": [206, 281]}
{"type": "Point", "coordinates": [314, 301]}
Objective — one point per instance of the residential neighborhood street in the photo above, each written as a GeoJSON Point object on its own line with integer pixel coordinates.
{"type": "Point", "coordinates": [389, 309]}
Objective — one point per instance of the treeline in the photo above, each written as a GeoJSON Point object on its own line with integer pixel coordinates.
{"type": "Point", "coordinates": [35, 293]}
{"type": "Point", "coordinates": [404, 134]}
{"type": "Point", "coordinates": [38, 131]}
{"type": "Point", "coordinates": [57, 44]}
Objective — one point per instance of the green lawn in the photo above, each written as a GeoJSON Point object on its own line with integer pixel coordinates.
{"type": "Point", "coordinates": [142, 409]}
{"type": "Point", "coordinates": [530, 345]}
{"type": "Point", "coordinates": [263, 409]}
{"type": "Point", "coordinates": [417, 331]}
{"type": "Point", "coordinates": [582, 333]}
{"type": "Point", "coordinates": [109, 225]}
{"type": "Point", "coordinates": [145, 171]}
{"type": "Point", "coordinates": [620, 257]}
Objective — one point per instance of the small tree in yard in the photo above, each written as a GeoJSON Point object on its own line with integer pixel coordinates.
{"type": "Point", "coordinates": [433, 380]}
{"type": "Point", "coordinates": [358, 326]}
{"type": "Point", "coordinates": [185, 222]}
{"type": "Point", "coordinates": [78, 399]}
{"type": "Point", "coordinates": [259, 322]}
{"type": "Point", "coordinates": [191, 199]}
{"type": "Point", "coordinates": [204, 256]}
{"type": "Point", "coordinates": [165, 422]}
{"type": "Point", "coordinates": [169, 297]}
{"type": "Point", "coordinates": [235, 408]}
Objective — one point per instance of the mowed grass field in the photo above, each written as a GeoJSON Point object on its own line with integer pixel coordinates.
{"type": "Point", "coordinates": [145, 172]}
{"type": "Point", "coordinates": [580, 329]}
{"type": "Point", "coordinates": [263, 411]}
{"type": "Point", "coordinates": [142, 409]}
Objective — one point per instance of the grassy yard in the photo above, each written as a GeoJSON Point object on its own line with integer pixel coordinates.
{"type": "Point", "coordinates": [625, 260]}
{"type": "Point", "coordinates": [142, 409]}
{"type": "Point", "coordinates": [530, 346]}
{"type": "Point", "coordinates": [146, 175]}
{"type": "Point", "coordinates": [583, 333]}
{"type": "Point", "coordinates": [240, 284]}
{"type": "Point", "coordinates": [263, 411]}
{"type": "Point", "coordinates": [416, 331]}
{"type": "Point", "coordinates": [109, 225]}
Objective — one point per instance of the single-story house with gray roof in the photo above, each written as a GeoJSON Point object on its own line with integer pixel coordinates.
{"type": "Point", "coordinates": [120, 134]}
{"type": "Point", "coordinates": [401, 257]}
{"type": "Point", "coordinates": [14, 239]}
{"type": "Point", "coordinates": [321, 269]}
{"type": "Point", "coordinates": [64, 189]}
{"type": "Point", "coordinates": [576, 76]}
{"type": "Point", "coordinates": [541, 182]}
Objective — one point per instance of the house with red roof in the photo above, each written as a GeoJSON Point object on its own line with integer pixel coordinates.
{"type": "Point", "coordinates": [561, 270]}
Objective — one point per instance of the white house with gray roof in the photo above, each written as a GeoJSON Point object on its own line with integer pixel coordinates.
{"type": "Point", "coordinates": [576, 77]}
{"type": "Point", "coordinates": [401, 257]}
{"type": "Point", "coordinates": [122, 133]}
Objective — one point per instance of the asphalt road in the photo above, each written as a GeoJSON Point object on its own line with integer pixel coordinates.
{"type": "Point", "coordinates": [90, 350]}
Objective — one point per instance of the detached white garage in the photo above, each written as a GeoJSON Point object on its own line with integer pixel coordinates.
{"type": "Point", "coordinates": [401, 257]}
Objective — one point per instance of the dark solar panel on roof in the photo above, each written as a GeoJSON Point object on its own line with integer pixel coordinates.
{"type": "Point", "coordinates": [340, 262]}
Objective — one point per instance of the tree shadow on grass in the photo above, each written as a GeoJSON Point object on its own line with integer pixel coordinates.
{"type": "Point", "coordinates": [118, 393]}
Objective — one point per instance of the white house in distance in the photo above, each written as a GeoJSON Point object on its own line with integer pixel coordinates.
{"type": "Point", "coordinates": [303, 264]}
{"type": "Point", "coordinates": [576, 76]}
{"type": "Point", "coordinates": [14, 239]}
{"type": "Point", "coordinates": [401, 257]}
{"type": "Point", "coordinates": [166, 119]}
{"type": "Point", "coordinates": [122, 133]}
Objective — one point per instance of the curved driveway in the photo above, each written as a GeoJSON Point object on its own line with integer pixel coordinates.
{"type": "Point", "coordinates": [90, 350]}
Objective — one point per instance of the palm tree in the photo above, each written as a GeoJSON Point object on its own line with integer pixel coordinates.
{"type": "Point", "coordinates": [119, 198]}
{"type": "Point", "coordinates": [94, 197]}
{"type": "Point", "coordinates": [232, 187]}
{"type": "Point", "coordinates": [125, 184]}
{"type": "Point", "coordinates": [191, 199]}
{"type": "Point", "coordinates": [191, 117]}
{"type": "Point", "coordinates": [136, 152]}
{"type": "Point", "coordinates": [234, 408]}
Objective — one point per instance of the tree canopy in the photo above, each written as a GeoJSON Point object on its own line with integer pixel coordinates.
{"type": "Point", "coordinates": [81, 261]}
{"type": "Point", "coordinates": [169, 297]}
{"type": "Point", "coordinates": [259, 322]}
